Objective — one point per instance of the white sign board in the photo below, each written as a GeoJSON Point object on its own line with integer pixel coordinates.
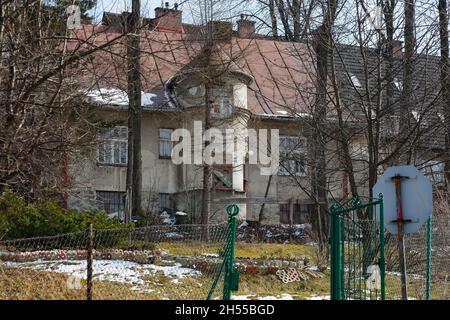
{"type": "Point", "coordinates": [416, 194]}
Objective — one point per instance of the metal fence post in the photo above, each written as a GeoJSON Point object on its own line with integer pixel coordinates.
{"type": "Point", "coordinates": [335, 260]}
{"type": "Point", "coordinates": [429, 235]}
{"type": "Point", "coordinates": [89, 257]}
{"type": "Point", "coordinates": [231, 276]}
{"type": "Point", "coordinates": [382, 257]}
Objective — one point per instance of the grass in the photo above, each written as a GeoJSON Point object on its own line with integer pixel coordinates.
{"type": "Point", "coordinates": [27, 284]}
{"type": "Point", "coordinates": [271, 285]}
{"type": "Point", "coordinates": [242, 250]}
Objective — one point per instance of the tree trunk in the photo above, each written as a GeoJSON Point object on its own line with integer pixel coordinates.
{"type": "Point", "coordinates": [408, 75]}
{"type": "Point", "coordinates": [207, 170]}
{"type": "Point", "coordinates": [295, 9]}
{"type": "Point", "coordinates": [273, 18]}
{"type": "Point", "coordinates": [284, 17]}
{"type": "Point", "coordinates": [134, 169]}
{"type": "Point", "coordinates": [445, 80]}
{"type": "Point", "coordinates": [323, 49]}
{"type": "Point", "coordinates": [261, 210]}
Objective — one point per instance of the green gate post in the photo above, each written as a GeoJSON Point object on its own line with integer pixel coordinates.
{"type": "Point", "coordinates": [231, 276]}
{"type": "Point", "coordinates": [335, 261]}
{"type": "Point", "coordinates": [382, 259]}
{"type": "Point", "coordinates": [429, 234]}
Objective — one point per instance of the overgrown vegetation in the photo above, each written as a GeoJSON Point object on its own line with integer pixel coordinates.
{"type": "Point", "coordinates": [19, 219]}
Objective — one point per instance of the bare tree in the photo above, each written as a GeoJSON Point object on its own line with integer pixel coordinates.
{"type": "Point", "coordinates": [134, 168]}
{"type": "Point", "coordinates": [445, 76]}
{"type": "Point", "coordinates": [44, 119]}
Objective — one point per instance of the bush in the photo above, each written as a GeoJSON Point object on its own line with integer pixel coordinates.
{"type": "Point", "coordinates": [19, 219]}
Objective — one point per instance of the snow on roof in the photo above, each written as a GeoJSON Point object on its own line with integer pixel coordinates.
{"type": "Point", "coordinates": [114, 96]}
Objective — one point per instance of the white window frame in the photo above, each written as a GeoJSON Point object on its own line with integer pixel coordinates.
{"type": "Point", "coordinates": [114, 142]}
{"type": "Point", "coordinates": [165, 143]}
{"type": "Point", "coordinates": [291, 160]}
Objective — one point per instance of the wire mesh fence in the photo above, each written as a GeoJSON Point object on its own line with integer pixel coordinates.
{"type": "Point", "coordinates": [359, 253]}
{"type": "Point", "coordinates": [156, 262]}
{"type": "Point", "coordinates": [416, 262]}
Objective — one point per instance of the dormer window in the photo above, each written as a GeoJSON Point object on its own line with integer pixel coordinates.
{"type": "Point", "coordinates": [223, 102]}
{"type": "Point", "coordinates": [196, 91]}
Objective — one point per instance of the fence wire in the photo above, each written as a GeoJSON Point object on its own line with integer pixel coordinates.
{"type": "Point", "coordinates": [416, 262]}
{"type": "Point", "coordinates": [155, 262]}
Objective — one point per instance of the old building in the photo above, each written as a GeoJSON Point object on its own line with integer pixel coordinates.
{"type": "Point", "coordinates": [259, 83]}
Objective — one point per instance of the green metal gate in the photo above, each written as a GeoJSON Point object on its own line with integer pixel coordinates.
{"type": "Point", "coordinates": [227, 272]}
{"type": "Point", "coordinates": [357, 250]}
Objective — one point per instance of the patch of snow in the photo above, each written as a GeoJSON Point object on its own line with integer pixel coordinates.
{"type": "Point", "coordinates": [108, 96]}
{"type": "Point", "coordinates": [164, 214]}
{"type": "Point", "coordinates": [284, 296]}
{"type": "Point", "coordinates": [313, 268]}
{"type": "Point", "coordinates": [174, 235]}
{"type": "Point", "coordinates": [241, 297]}
{"type": "Point", "coordinates": [314, 297]}
{"type": "Point", "coordinates": [146, 98]}
{"type": "Point", "coordinates": [126, 272]}
{"type": "Point", "coordinates": [114, 96]}
{"type": "Point", "coordinates": [181, 213]}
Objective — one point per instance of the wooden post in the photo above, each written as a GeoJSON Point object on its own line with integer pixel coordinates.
{"type": "Point", "coordinates": [89, 257]}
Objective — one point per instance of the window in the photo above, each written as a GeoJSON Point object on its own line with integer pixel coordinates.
{"type": "Point", "coordinates": [355, 81]}
{"type": "Point", "coordinates": [284, 213]}
{"type": "Point", "coordinates": [390, 126]}
{"type": "Point", "coordinates": [434, 170]}
{"type": "Point", "coordinates": [292, 156]}
{"type": "Point", "coordinates": [300, 213]}
{"type": "Point", "coordinates": [359, 151]}
{"type": "Point", "coordinates": [165, 143]}
{"type": "Point", "coordinates": [165, 201]}
{"type": "Point", "coordinates": [113, 148]}
{"type": "Point", "coordinates": [223, 102]}
{"type": "Point", "coordinates": [222, 177]}
{"type": "Point", "coordinates": [398, 84]}
{"type": "Point", "coordinates": [112, 202]}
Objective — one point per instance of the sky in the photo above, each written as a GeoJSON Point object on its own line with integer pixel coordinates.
{"type": "Point", "coordinates": [426, 15]}
{"type": "Point", "coordinates": [190, 8]}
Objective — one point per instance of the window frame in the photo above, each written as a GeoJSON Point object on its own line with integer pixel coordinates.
{"type": "Point", "coordinates": [107, 139]}
{"type": "Point", "coordinates": [120, 205]}
{"type": "Point", "coordinates": [165, 140]}
{"type": "Point", "coordinates": [295, 158]}
{"type": "Point", "coordinates": [223, 100]}
{"type": "Point", "coordinates": [171, 204]}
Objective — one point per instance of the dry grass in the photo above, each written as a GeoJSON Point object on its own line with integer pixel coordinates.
{"type": "Point", "coordinates": [242, 250]}
{"type": "Point", "coordinates": [26, 284]}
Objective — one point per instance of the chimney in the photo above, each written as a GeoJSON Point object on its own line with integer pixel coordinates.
{"type": "Point", "coordinates": [246, 28]}
{"type": "Point", "coordinates": [167, 19]}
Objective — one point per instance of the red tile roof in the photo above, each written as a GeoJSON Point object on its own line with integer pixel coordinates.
{"type": "Point", "coordinates": [283, 72]}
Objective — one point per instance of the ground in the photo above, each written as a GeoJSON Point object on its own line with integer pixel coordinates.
{"type": "Point", "coordinates": [118, 279]}
{"type": "Point", "coordinates": [115, 279]}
